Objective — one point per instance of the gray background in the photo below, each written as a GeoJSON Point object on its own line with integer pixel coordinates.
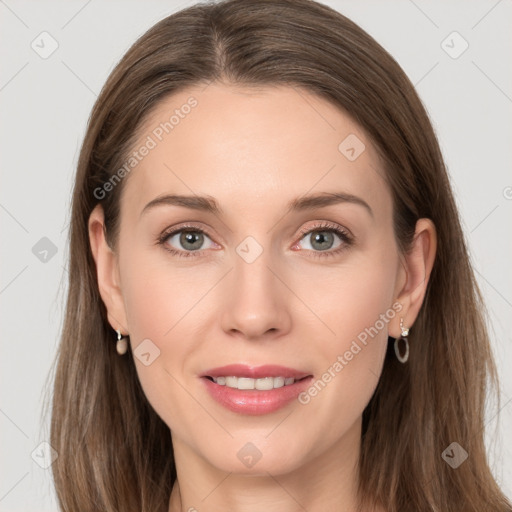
{"type": "Point", "coordinates": [45, 104]}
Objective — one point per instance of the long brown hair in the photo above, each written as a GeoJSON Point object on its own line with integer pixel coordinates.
{"type": "Point", "coordinates": [115, 452]}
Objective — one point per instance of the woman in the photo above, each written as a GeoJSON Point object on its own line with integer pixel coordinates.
{"type": "Point", "coordinates": [271, 304]}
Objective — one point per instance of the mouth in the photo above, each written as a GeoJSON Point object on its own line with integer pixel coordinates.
{"type": "Point", "coordinates": [251, 390]}
{"type": "Point", "coordinates": [260, 378]}
{"type": "Point", "coordinates": [247, 383]}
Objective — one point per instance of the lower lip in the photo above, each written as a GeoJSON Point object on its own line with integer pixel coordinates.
{"type": "Point", "coordinates": [253, 401]}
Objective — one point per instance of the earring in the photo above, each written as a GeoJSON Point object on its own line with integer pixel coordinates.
{"type": "Point", "coordinates": [122, 344]}
{"type": "Point", "coordinates": [403, 337]}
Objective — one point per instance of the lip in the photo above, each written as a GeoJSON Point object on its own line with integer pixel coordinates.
{"type": "Point", "coordinates": [255, 402]}
{"type": "Point", "coordinates": [255, 372]}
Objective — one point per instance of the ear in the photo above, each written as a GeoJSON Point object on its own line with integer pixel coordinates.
{"type": "Point", "coordinates": [107, 270]}
{"type": "Point", "coordinates": [416, 269]}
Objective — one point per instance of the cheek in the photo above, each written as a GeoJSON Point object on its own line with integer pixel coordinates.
{"type": "Point", "coordinates": [159, 295]}
{"type": "Point", "coordinates": [357, 305]}
{"type": "Point", "coordinates": [164, 305]}
{"type": "Point", "coordinates": [154, 310]}
{"type": "Point", "coordinates": [349, 298]}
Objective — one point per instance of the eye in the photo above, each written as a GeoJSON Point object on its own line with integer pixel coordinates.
{"type": "Point", "coordinates": [322, 238]}
{"type": "Point", "coordinates": [188, 241]}
{"type": "Point", "coordinates": [185, 241]}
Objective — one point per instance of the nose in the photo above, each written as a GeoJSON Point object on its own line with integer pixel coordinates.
{"type": "Point", "coordinates": [257, 301]}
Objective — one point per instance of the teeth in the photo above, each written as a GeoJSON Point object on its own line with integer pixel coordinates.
{"type": "Point", "coordinates": [231, 382]}
{"type": "Point", "coordinates": [264, 384]}
{"type": "Point", "coordinates": [278, 382]}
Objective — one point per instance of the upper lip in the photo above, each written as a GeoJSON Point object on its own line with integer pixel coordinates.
{"type": "Point", "coordinates": [255, 372]}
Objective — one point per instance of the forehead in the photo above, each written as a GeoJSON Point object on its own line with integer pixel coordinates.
{"type": "Point", "coordinates": [242, 145]}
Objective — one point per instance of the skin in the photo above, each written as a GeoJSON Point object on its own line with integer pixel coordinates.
{"type": "Point", "coordinates": [254, 150]}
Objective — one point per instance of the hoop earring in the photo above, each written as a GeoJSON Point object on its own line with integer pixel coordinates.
{"type": "Point", "coordinates": [403, 337]}
{"type": "Point", "coordinates": [122, 344]}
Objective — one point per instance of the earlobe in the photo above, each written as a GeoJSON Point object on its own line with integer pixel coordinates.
{"type": "Point", "coordinates": [418, 264]}
{"type": "Point", "coordinates": [107, 271]}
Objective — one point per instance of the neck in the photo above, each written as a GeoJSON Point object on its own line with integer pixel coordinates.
{"type": "Point", "coordinates": [326, 481]}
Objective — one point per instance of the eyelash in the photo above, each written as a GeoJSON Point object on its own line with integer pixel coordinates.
{"type": "Point", "coordinates": [347, 239]}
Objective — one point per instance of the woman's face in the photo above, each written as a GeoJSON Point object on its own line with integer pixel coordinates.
{"type": "Point", "coordinates": [257, 282]}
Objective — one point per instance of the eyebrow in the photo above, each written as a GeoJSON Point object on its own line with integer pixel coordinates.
{"type": "Point", "coordinates": [303, 203]}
